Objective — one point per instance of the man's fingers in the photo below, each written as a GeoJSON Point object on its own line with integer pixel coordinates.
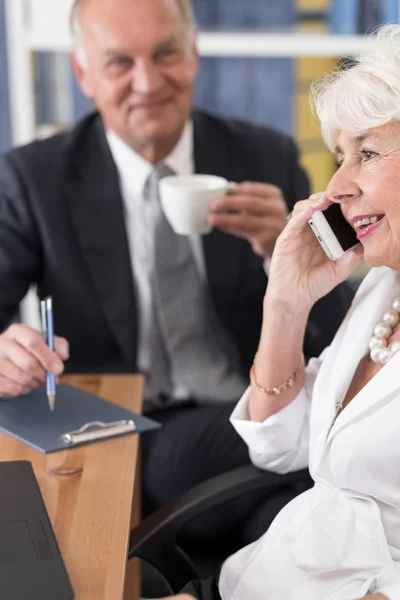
{"type": "Point", "coordinates": [244, 223]}
{"type": "Point", "coordinates": [61, 346]}
{"type": "Point", "coordinates": [255, 188]}
{"type": "Point", "coordinates": [11, 389]}
{"type": "Point", "coordinates": [9, 369]}
{"type": "Point", "coordinates": [255, 205]}
{"type": "Point", "coordinates": [35, 344]}
{"type": "Point", "coordinates": [23, 360]}
{"type": "Point", "coordinates": [179, 597]}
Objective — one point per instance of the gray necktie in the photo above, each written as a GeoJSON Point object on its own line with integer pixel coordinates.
{"type": "Point", "coordinates": [188, 343]}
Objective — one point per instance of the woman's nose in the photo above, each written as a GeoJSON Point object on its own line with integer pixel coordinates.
{"type": "Point", "coordinates": [342, 187]}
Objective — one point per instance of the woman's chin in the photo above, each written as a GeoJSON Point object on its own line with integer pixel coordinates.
{"type": "Point", "coordinates": [373, 259]}
{"type": "Point", "coordinates": [381, 259]}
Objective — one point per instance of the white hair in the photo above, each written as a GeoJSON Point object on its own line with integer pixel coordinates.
{"type": "Point", "coordinates": [365, 95]}
{"type": "Point", "coordinates": [185, 7]}
{"type": "Point", "coordinates": [75, 25]}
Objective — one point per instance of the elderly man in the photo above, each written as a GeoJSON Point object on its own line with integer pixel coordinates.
{"type": "Point", "coordinates": [72, 220]}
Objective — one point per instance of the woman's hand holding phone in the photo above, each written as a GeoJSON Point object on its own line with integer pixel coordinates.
{"type": "Point", "coordinates": [300, 270]}
{"type": "Point", "coordinates": [333, 232]}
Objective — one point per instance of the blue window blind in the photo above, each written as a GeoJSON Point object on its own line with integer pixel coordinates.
{"type": "Point", "coordinates": [80, 104]}
{"type": "Point", "coordinates": [44, 88]}
{"type": "Point", "coordinates": [258, 90]}
{"type": "Point", "coordinates": [5, 125]}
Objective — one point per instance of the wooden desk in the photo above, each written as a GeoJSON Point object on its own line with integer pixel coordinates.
{"type": "Point", "coordinates": [89, 492]}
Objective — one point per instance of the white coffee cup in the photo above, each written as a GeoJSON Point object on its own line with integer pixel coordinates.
{"type": "Point", "coordinates": [186, 201]}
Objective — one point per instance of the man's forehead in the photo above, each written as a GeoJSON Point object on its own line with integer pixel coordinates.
{"type": "Point", "coordinates": [112, 49]}
{"type": "Point", "coordinates": [93, 8]}
{"type": "Point", "coordinates": [132, 22]}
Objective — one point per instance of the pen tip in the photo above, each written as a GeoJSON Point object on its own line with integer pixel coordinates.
{"type": "Point", "coordinates": [52, 401]}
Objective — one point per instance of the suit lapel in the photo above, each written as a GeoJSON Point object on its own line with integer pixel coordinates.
{"type": "Point", "coordinates": [222, 252]}
{"type": "Point", "coordinates": [96, 208]}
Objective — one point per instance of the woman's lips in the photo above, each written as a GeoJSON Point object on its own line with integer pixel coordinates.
{"type": "Point", "coordinates": [362, 233]}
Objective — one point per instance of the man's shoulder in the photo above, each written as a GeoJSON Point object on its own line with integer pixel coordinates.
{"type": "Point", "coordinates": [245, 132]}
{"type": "Point", "coordinates": [52, 151]}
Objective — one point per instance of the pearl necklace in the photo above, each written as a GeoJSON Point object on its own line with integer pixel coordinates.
{"type": "Point", "coordinates": [380, 352]}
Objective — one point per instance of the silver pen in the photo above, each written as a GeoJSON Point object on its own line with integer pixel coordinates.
{"type": "Point", "coordinates": [46, 313]}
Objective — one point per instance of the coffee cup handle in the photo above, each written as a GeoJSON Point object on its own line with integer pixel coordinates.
{"type": "Point", "coordinates": [231, 185]}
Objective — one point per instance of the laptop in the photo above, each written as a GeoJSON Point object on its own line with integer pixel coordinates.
{"type": "Point", "coordinates": [31, 566]}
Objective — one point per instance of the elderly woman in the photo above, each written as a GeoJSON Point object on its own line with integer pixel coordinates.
{"type": "Point", "coordinates": [340, 416]}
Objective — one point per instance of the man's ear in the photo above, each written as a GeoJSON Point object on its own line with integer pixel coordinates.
{"type": "Point", "coordinates": [196, 56]}
{"type": "Point", "coordinates": [81, 75]}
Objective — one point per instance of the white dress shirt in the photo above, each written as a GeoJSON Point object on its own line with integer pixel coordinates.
{"type": "Point", "coordinates": [341, 539]}
{"type": "Point", "coordinates": [133, 172]}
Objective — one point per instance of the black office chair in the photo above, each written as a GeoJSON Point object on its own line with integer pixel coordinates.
{"type": "Point", "coordinates": [155, 540]}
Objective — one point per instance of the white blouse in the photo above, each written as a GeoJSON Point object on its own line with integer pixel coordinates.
{"type": "Point", "coordinates": [340, 539]}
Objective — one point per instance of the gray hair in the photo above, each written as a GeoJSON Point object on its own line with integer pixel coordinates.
{"type": "Point", "coordinates": [185, 7]}
{"type": "Point", "coordinates": [365, 95]}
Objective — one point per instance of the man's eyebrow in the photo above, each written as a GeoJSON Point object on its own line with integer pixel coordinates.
{"type": "Point", "coordinates": [110, 52]}
{"type": "Point", "coordinates": [166, 43]}
{"type": "Point", "coordinates": [115, 52]}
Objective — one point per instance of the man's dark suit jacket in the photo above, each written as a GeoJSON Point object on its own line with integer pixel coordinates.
{"type": "Point", "coordinates": [62, 226]}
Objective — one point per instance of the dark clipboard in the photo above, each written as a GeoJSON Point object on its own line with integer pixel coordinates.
{"type": "Point", "coordinates": [79, 418]}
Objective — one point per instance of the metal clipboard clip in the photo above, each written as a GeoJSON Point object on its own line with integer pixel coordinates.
{"type": "Point", "coordinates": [96, 430]}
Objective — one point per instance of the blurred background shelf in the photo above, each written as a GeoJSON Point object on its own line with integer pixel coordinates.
{"type": "Point", "coordinates": [239, 44]}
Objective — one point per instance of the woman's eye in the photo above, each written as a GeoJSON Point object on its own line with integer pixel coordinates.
{"type": "Point", "coordinates": [368, 154]}
{"type": "Point", "coordinates": [338, 162]}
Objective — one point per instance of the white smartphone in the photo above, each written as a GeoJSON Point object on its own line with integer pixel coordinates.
{"type": "Point", "coordinates": [333, 232]}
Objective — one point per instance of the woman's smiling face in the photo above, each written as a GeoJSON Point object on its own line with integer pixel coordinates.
{"type": "Point", "coordinates": [367, 185]}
